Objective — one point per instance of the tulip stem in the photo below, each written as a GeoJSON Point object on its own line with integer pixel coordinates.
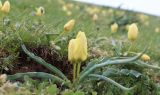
{"type": "Point", "coordinates": [74, 71]}
{"type": "Point", "coordinates": [60, 35]}
{"type": "Point", "coordinates": [130, 47]}
{"type": "Point", "coordinates": [78, 69]}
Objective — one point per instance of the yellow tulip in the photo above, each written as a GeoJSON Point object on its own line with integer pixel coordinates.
{"type": "Point", "coordinates": [157, 30]}
{"type": "Point", "coordinates": [71, 50]}
{"type": "Point", "coordinates": [95, 17]}
{"type": "Point", "coordinates": [77, 52]}
{"type": "Point", "coordinates": [6, 7]}
{"type": "Point", "coordinates": [1, 5]}
{"type": "Point", "coordinates": [64, 8]}
{"type": "Point", "coordinates": [145, 57]}
{"type": "Point", "coordinates": [40, 11]}
{"type": "Point", "coordinates": [114, 27]}
{"type": "Point", "coordinates": [132, 32]}
{"type": "Point", "coordinates": [77, 48]}
{"type": "Point", "coordinates": [69, 25]}
{"type": "Point", "coordinates": [81, 47]}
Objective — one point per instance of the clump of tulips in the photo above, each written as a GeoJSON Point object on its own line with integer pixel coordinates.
{"type": "Point", "coordinates": [77, 53]}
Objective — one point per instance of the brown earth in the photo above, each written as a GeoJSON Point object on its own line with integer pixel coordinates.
{"type": "Point", "coordinates": [25, 64]}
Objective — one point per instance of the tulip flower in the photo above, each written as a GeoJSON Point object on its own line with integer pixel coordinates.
{"type": "Point", "coordinates": [71, 49]}
{"type": "Point", "coordinates": [95, 17]}
{"type": "Point", "coordinates": [157, 30]}
{"type": "Point", "coordinates": [77, 52]}
{"type": "Point", "coordinates": [80, 50]}
{"type": "Point", "coordinates": [71, 53]}
{"type": "Point", "coordinates": [64, 8]}
{"type": "Point", "coordinates": [40, 11]}
{"type": "Point", "coordinates": [145, 57]}
{"type": "Point", "coordinates": [77, 49]}
{"type": "Point", "coordinates": [114, 27]}
{"type": "Point", "coordinates": [132, 32]}
{"type": "Point", "coordinates": [69, 25]}
{"type": "Point", "coordinates": [6, 7]}
{"type": "Point", "coordinates": [1, 5]}
{"type": "Point", "coordinates": [81, 47]}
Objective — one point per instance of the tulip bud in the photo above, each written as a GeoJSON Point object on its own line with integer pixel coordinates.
{"type": "Point", "coordinates": [157, 30]}
{"type": "Point", "coordinates": [71, 50]}
{"type": "Point", "coordinates": [64, 8]}
{"type": "Point", "coordinates": [114, 27]}
{"type": "Point", "coordinates": [40, 11]}
{"type": "Point", "coordinates": [69, 25]}
{"type": "Point", "coordinates": [145, 57]}
{"type": "Point", "coordinates": [132, 32]}
{"type": "Point", "coordinates": [6, 7]}
{"type": "Point", "coordinates": [81, 47]}
{"type": "Point", "coordinates": [95, 17]}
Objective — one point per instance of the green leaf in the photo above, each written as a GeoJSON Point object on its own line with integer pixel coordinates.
{"type": "Point", "coordinates": [124, 72]}
{"type": "Point", "coordinates": [135, 73]}
{"type": "Point", "coordinates": [111, 72]}
{"type": "Point", "coordinates": [40, 75]}
{"type": "Point", "coordinates": [109, 62]}
{"type": "Point", "coordinates": [111, 81]}
{"type": "Point", "coordinates": [90, 64]}
{"type": "Point", "coordinates": [42, 62]}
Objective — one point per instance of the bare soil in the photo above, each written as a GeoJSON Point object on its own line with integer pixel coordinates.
{"type": "Point", "coordinates": [25, 64]}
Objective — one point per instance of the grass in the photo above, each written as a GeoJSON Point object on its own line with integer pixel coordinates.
{"type": "Point", "coordinates": [33, 31]}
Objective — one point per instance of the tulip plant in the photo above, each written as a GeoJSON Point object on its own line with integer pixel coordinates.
{"type": "Point", "coordinates": [77, 53]}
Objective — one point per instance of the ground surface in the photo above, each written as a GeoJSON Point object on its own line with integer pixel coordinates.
{"type": "Point", "coordinates": [22, 11]}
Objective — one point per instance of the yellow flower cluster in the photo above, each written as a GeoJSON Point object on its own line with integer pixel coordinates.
{"type": "Point", "coordinates": [92, 10]}
{"type": "Point", "coordinates": [77, 49]}
{"type": "Point", "coordinates": [5, 7]}
{"type": "Point", "coordinates": [67, 7]}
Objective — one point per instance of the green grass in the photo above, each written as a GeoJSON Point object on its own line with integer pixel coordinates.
{"type": "Point", "coordinates": [54, 19]}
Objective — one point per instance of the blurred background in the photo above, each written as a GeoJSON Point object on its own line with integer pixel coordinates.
{"type": "Point", "coordinates": [151, 7]}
